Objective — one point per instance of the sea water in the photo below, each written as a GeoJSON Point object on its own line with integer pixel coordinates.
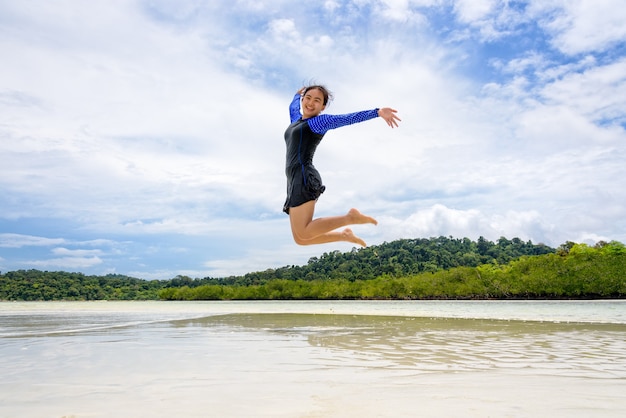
{"type": "Point", "coordinates": [313, 359]}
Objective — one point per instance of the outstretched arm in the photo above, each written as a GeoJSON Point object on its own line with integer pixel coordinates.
{"type": "Point", "coordinates": [389, 115]}
{"type": "Point", "coordinates": [323, 123]}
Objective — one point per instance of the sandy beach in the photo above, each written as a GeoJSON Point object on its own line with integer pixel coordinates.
{"type": "Point", "coordinates": [164, 362]}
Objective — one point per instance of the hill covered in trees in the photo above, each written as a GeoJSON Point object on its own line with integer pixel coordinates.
{"type": "Point", "coordinates": [31, 285]}
{"type": "Point", "coordinates": [397, 258]}
{"type": "Point", "coordinates": [403, 269]}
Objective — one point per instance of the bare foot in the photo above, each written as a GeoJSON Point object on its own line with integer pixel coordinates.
{"type": "Point", "coordinates": [349, 236]}
{"type": "Point", "coordinates": [357, 217]}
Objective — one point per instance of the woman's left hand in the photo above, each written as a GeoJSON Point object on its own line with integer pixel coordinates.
{"type": "Point", "coordinates": [389, 115]}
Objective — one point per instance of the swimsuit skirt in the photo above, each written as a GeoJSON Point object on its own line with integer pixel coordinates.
{"type": "Point", "coordinates": [304, 184]}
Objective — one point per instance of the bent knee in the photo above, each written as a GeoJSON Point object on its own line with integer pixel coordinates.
{"type": "Point", "coordinates": [300, 236]}
{"type": "Point", "coordinates": [301, 241]}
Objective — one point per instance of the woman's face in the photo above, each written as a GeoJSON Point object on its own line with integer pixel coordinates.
{"type": "Point", "coordinates": [312, 103]}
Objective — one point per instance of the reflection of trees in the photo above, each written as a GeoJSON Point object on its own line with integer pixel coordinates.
{"type": "Point", "coordinates": [432, 344]}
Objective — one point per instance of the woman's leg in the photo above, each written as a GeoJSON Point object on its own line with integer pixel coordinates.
{"type": "Point", "coordinates": [309, 231]}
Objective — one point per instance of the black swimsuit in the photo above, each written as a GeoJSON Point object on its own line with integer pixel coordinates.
{"type": "Point", "coordinates": [304, 182]}
{"type": "Point", "coordinates": [302, 137]}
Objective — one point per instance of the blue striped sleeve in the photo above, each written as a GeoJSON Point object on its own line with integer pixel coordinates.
{"type": "Point", "coordinates": [323, 123]}
{"type": "Point", "coordinates": [294, 108]}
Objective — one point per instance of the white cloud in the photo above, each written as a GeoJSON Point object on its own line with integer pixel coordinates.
{"type": "Point", "coordinates": [284, 28]}
{"type": "Point", "coordinates": [598, 93]}
{"type": "Point", "coordinates": [65, 263]}
{"type": "Point", "coordinates": [581, 26]}
{"type": "Point", "coordinates": [75, 253]}
{"type": "Point", "coordinates": [19, 241]}
{"type": "Point", "coordinates": [439, 220]}
{"type": "Point", "coordinates": [331, 5]}
{"type": "Point", "coordinates": [401, 11]}
{"type": "Point", "coordinates": [470, 11]}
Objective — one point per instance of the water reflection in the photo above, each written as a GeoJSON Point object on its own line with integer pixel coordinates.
{"type": "Point", "coordinates": [430, 344]}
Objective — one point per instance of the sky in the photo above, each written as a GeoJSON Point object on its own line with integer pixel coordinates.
{"type": "Point", "coordinates": [145, 137]}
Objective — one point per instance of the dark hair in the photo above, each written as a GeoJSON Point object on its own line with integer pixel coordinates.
{"type": "Point", "coordinates": [328, 95]}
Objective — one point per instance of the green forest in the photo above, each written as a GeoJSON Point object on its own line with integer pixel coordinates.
{"type": "Point", "coordinates": [435, 268]}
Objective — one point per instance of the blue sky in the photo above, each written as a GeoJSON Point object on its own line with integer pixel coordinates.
{"type": "Point", "coordinates": [146, 137]}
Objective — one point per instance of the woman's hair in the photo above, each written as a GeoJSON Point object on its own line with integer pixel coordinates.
{"type": "Point", "coordinates": [328, 95]}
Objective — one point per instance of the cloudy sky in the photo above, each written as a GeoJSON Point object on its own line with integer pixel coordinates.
{"type": "Point", "coordinates": [145, 137]}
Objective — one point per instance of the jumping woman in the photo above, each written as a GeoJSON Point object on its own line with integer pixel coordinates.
{"type": "Point", "coordinates": [304, 183]}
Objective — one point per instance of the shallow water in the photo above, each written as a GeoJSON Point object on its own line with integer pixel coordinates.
{"type": "Point", "coordinates": [313, 359]}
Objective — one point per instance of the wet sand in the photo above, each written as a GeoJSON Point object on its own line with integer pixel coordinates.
{"type": "Point", "coordinates": [312, 365]}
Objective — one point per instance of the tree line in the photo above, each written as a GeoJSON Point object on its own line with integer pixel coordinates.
{"type": "Point", "coordinates": [404, 269]}
{"type": "Point", "coordinates": [34, 285]}
{"type": "Point", "coordinates": [575, 271]}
